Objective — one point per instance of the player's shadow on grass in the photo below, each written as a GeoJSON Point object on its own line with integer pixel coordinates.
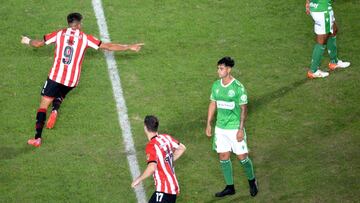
{"type": "Point", "coordinates": [127, 55]}
{"type": "Point", "coordinates": [12, 152]}
{"type": "Point", "coordinates": [271, 96]}
{"type": "Point", "coordinates": [234, 198]}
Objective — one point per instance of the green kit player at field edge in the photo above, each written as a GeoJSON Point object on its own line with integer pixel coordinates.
{"type": "Point", "coordinates": [325, 29]}
{"type": "Point", "coordinates": [229, 99]}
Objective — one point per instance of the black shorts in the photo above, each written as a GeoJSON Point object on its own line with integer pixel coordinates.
{"type": "Point", "coordinates": [162, 197]}
{"type": "Point", "coordinates": [54, 89]}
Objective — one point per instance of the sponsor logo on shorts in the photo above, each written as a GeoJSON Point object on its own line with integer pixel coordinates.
{"type": "Point", "coordinates": [313, 5]}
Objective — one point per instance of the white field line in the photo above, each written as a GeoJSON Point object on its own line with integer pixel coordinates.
{"type": "Point", "coordinates": [120, 102]}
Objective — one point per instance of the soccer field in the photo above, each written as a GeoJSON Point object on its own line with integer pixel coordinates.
{"type": "Point", "coordinates": [304, 135]}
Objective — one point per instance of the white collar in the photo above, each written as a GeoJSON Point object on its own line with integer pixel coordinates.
{"type": "Point", "coordinates": [221, 82]}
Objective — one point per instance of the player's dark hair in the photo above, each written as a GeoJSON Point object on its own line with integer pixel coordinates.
{"type": "Point", "coordinates": [74, 17]}
{"type": "Point", "coordinates": [227, 61]}
{"type": "Point", "coordinates": [151, 123]}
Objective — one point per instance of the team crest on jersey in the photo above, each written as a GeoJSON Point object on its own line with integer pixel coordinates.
{"type": "Point", "coordinates": [243, 97]}
{"type": "Point", "coordinates": [231, 93]}
{"type": "Point", "coordinates": [217, 91]}
{"type": "Point", "coordinates": [71, 42]}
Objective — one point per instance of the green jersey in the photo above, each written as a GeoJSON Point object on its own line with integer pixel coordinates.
{"type": "Point", "coordinates": [320, 5]}
{"type": "Point", "coordinates": [228, 100]}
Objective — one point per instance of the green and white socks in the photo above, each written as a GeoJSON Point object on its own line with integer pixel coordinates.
{"type": "Point", "coordinates": [227, 170]}
{"type": "Point", "coordinates": [332, 49]}
{"type": "Point", "coordinates": [316, 56]}
{"type": "Point", "coordinates": [248, 167]}
{"type": "Point", "coordinates": [318, 52]}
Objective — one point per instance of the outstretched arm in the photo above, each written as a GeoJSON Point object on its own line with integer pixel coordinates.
{"type": "Point", "coordinates": [32, 42]}
{"type": "Point", "coordinates": [121, 47]}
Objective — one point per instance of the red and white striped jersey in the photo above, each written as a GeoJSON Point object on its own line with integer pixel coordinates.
{"type": "Point", "coordinates": [70, 47]}
{"type": "Point", "coordinates": [160, 150]}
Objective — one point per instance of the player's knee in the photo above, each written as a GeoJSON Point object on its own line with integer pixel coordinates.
{"type": "Point", "coordinates": [334, 33]}
{"type": "Point", "coordinates": [322, 39]}
{"type": "Point", "coordinates": [45, 102]}
{"type": "Point", "coordinates": [224, 156]}
{"type": "Point", "coordinates": [242, 156]}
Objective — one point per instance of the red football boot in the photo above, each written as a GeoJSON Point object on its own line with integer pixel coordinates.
{"type": "Point", "coordinates": [52, 119]}
{"type": "Point", "coordinates": [34, 142]}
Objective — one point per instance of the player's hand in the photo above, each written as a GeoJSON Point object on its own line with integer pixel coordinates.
{"type": "Point", "coordinates": [307, 8]}
{"type": "Point", "coordinates": [240, 135]}
{"type": "Point", "coordinates": [25, 40]}
{"type": "Point", "coordinates": [135, 182]}
{"type": "Point", "coordinates": [136, 47]}
{"type": "Point", "coordinates": [208, 131]}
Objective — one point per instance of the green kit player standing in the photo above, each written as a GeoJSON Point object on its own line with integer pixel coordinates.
{"type": "Point", "coordinates": [229, 99]}
{"type": "Point", "coordinates": [325, 29]}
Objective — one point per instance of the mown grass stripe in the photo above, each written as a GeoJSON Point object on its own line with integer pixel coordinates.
{"type": "Point", "coordinates": [120, 101]}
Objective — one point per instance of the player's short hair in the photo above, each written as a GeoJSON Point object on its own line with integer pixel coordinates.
{"type": "Point", "coordinates": [227, 61]}
{"type": "Point", "coordinates": [74, 17]}
{"type": "Point", "coordinates": [151, 123]}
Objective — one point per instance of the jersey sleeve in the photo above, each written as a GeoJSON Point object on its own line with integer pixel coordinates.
{"type": "Point", "coordinates": [50, 38]}
{"type": "Point", "coordinates": [212, 95]}
{"type": "Point", "coordinates": [174, 143]}
{"type": "Point", "coordinates": [243, 99]}
{"type": "Point", "coordinates": [150, 154]}
{"type": "Point", "coordinates": [93, 42]}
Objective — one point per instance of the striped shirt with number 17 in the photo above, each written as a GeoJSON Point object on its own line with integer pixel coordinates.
{"type": "Point", "coordinates": [160, 151]}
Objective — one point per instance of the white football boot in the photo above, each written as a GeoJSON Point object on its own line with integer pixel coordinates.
{"type": "Point", "coordinates": [318, 74]}
{"type": "Point", "coordinates": [339, 64]}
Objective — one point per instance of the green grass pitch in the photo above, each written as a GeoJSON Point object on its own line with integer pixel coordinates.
{"type": "Point", "coordinates": [304, 135]}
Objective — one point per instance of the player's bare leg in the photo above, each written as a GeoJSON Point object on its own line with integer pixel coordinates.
{"type": "Point", "coordinates": [226, 168]}
{"type": "Point", "coordinates": [45, 102]}
{"type": "Point", "coordinates": [249, 171]}
{"type": "Point", "coordinates": [40, 120]}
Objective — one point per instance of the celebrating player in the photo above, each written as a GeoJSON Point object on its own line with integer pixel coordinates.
{"type": "Point", "coordinates": [325, 29]}
{"type": "Point", "coordinates": [70, 46]}
{"type": "Point", "coordinates": [161, 151]}
{"type": "Point", "coordinates": [229, 99]}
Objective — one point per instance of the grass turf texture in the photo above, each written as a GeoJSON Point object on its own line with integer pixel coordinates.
{"type": "Point", "coordinates": [303, 134]}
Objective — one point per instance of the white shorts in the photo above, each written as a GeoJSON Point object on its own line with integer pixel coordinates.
{"type": "Point", "coordinates": [225, 141]}
{"type": "Point", "coordinates": [324, 22]}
